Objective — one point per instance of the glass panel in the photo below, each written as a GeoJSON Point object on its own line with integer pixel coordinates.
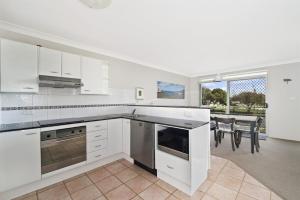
{"type": "Point", "coordinates": [214, 96]}
{"type": "Point", "coordinates": [248, 96]}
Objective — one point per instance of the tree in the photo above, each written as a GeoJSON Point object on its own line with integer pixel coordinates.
{"type": "Point", "coordinates": [219, 96]}
{"type": "Point", "coordinates": [249, 99]}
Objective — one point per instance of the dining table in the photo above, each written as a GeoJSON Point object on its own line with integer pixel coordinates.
{"type": "Point", "coordinates": [243, 124]}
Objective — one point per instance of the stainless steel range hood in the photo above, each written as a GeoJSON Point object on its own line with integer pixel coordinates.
{"type": "Point", "coordinates": [59, 82]}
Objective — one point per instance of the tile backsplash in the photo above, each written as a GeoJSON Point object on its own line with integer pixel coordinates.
{"type": "Point", "coordinates": [52, 103]}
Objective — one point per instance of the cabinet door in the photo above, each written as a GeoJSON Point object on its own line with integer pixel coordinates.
{"type": "Point", "coordinates": [115, 141]}
{"type": "Point", "coordinates": [49, 62]}
{"type": "Point", "coordinates": [126, 136]}
{"type": "Point", "coordinates": [91, 70]}
{"type": "Point", "coordinates": [94, 75]}
{"type": "Point", "coordinates": [19, 67]}
{"type": "Point", "coordinates": [20, 158]}
{"type": "Point", "coordinates": [70, 65]}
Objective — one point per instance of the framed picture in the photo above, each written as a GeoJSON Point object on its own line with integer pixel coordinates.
{"type": "Point", "coordinates": [170, 90]}
{"type": "Point", "coordinates": [139, 93]}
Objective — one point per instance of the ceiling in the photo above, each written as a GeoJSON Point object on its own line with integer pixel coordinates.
{"type": "Point", "coordinates": [189, 37]}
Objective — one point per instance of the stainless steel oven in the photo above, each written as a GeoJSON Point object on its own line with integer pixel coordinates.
{"type": "Point", "coordinates": [174, 141]}
{"type": "Point", "coordinates": [62, 148]}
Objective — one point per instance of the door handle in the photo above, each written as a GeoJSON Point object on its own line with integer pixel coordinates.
{"type": "Point", "coordinates": [30, 134]}
{"type": "Point", "coordinates": [28, 88]}
{"type": "Point", "coordinates": [170, 167]}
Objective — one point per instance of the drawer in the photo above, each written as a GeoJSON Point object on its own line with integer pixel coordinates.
{"type": "Point", "coordinates": [96, 126]}
{"type": "Point", "coordinates": [96, 145]}
{"type": "Point", "coordinates": [96, 135]}
{"type": "Point", "coordinates": [96, 155]}
{"type": "Point", "coordinates": [173, 166]}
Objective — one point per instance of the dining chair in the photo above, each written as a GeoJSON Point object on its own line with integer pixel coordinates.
{"type": "Point", "coordinates": [226, 125]}
{"type": "Point", "coordinates": [213, 127]}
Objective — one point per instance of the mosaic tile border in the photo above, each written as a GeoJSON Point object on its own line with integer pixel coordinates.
{"type": "Point", "coordinates": [60, 107]}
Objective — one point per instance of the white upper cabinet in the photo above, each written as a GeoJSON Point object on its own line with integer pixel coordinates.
{"type": "Point", "coordinates": [19, 69]}
{"type": "Point", "coordinates": [20, 158]}
{"type": "Point", "coordinates": [49, 62]}
{"type": "Point", "coordinates": [70, 65]}
{"type": "Point", "coordinates": [94, 74]}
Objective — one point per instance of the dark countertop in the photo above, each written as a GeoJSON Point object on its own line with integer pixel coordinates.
{"type": "Point", "coordinates": [181, 123]}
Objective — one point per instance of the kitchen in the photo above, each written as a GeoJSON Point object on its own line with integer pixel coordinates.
{"type": "Point", "coordinates": [50, 148]}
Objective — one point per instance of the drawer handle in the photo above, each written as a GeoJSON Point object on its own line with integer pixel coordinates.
{"type": "Point", "coordinates": [54, 72]}
{"type": "Point", "coordinates": [170, 167]}
{"type": "Point", "coordinates": [98, 136]}
{"type": "Point", "coordinates": [68, 73]}
{"type": "Point", "coordinates": [98, 126]}
{"type": "Point", "coordinates": [98, 156]}
{"type": "Point", "coordinates": [98, 146]}
{"type": "Point", "coordinates": [30, 133]}
{"type": "Point", "coordinates": [28, 88]}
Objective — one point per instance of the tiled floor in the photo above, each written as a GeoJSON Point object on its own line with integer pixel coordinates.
{"type": "Point", "coordinates": [122, 180]}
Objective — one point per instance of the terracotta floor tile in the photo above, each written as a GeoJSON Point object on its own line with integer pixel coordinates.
{"type": "Point", "coordinates": [101, 198]}
{"type": "Point", "coordinates": [126, 175]}
{"type": "Point", "coordinates": [115, 167]}
{"type": "Point", "coordinates": [50, 186]}
{"type": "Point", "coordinates": [137, 169]}
{"type": "Point", "coordinates": [169, 188]}
{"type": "Point", "coordinates": [108, 184]}
{"type": "Point", "coordinates": [208, 197]}
{"type": "Point", "coordinates": [58, 192]}
{"type": "Point", "coordinates": [137, 198]}
{"type": "Point", "coordinates": [220, 192]}
{"type": "Point", "coordinates": [205, 186]}
{"type": "Point", "coordinates": [150, 177]}
{"type": "Point", "coordinates": [89, 193]}
{"type": "Point", "coordinates": [138, 184]}
{"type": "Point", "coordinates": [126, 162]}
{"type": "Point", "coordinates": [121, 193]}
{"type": "Point", "coordinates": [78, 184]}
{"type": "Point", "coordinates": [253, 181]}
{"type": "Point", "coordinates": [212, 175]}
{"type": "Point", "coordinates": [182, 196]}
{"type": "Point", "coordinates": [244, 197]}
{"type": "Point", "coordinates": [229, 182]}
{"type": "Point", "coordinates": [172, 197]}
{"type": "Point", "coordinates": [236, 173]}
{"type": "Point", "coordinates": [154, 193]}
{"type": "Point", "coordinates": [233, 166]}
{"type": "Point", "coordinates": [255, 191]}
{"type": "Point", "coordinates": [98, 174]}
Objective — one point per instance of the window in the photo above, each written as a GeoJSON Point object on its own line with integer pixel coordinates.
{"type": "Point", "coordinates": [214, 96]}
{"type": "Point", "coordinates": [245, 97]}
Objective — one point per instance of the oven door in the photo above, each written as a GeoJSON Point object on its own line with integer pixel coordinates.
{"type": "Point", "coordinates": [58, 151]}
{"type": "Point", "coordinates": [174, 141]}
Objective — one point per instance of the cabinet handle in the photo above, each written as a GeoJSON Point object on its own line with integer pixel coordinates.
{"type": "Point", "coordinates": [98, 156]}
{"type": "Point", "coordinates": [28, 88]}
{"type": "Point", "coordinates": [30, 133]}
{"type": "Point", "coordinates": [53, 72]}
{"type": "Point", "coordinates": [98, 126]}
{"type": "Point", "coordinates": [168, 166]}
{"type": "Point", "coordinates": [98, 146]}
{"type": "Point", "coordinates": [68, 73]}
{"type": "Point", "coordinates": [87, 90]}
{"type": "Point", "coordinates": [98, 136]}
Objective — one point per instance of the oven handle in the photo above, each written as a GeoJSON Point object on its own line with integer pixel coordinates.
{"type": "Point", "coordinates": [65, 140]}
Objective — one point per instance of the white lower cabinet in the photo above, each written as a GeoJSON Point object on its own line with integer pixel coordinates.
{"type": "Point", "coordinates": [20, 158]}
{"type": "Point", "coordinates": [173, 166]}
{"type": "Point", "coordinates": [115, 136]}
{"type": "Point", "coordinates": [126, 136]}
{"type": "Point", "coordinates": [96, 145]}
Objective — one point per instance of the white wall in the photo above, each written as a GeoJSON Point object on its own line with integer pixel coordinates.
{"type": "Point", "coordinates": [284, 102]}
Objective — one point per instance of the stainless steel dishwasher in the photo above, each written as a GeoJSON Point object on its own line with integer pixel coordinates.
{"type": "Point", "coordinates": [142, 143]}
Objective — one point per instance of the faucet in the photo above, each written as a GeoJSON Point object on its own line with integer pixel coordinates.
{"type": "Point", "coordinates": [133, 112]}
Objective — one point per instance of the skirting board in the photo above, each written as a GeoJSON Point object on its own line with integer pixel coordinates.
{"type": "Point", "coordinates": [58, 177]}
